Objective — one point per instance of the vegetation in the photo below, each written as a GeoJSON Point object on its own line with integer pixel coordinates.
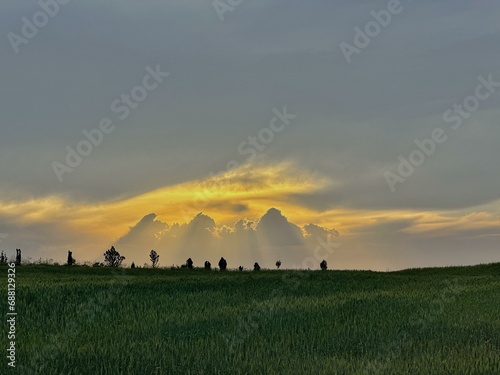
{"type": "Point", "coordinates": [85, 320]}
{"type": "Point", "coordinates": [70, 260]}
{"type": "Point", "coordinates": [323, 265]}
{"type": "Point", "coordinates": [112, 258]}
{"type": "Point", "coordinates": [154, 258]}
{"type": "Point", "coordinates": [222, 264]}
{"type": "Point", "coordinates": [18, 257]}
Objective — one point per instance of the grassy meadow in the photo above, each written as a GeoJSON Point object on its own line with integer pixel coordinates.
{"type": "Point", "coordinates": [85, 320]}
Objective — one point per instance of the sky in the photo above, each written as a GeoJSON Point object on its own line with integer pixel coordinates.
{"type": "Point", "coordinates": [256, 131]}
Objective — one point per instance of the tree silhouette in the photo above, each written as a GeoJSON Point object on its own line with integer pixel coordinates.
{"type": "Point", "coordinates": [3, 258]}
{"type": "Point", "coordinates": [323, 265]}
{"type": "Point", "coordinates": [71, 261]}
{"type": "Point", "coordinates": [189, 263]}
{"type": "Point", "coordinates": [112, 258]}
{"type": "Point", "coordinates": [208, 265]}
{"type": "Point", "coordinates": [256, 267]}
{"type": "Point", "coordinates": [18, 257]}
{"type": "Point", "coordinates": [240, 268]}
{"type": "Point", "coordinates": [154, 258]}
{"type": "Point", "coordinates": [132, 265]}
{"type": "Point", "coordinates": [278, 264]}
{"type": "Point", "coordinates": [222, 264]}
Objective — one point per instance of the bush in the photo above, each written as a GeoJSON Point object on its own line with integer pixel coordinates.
{"type": "Point", "coordinates": [323, 265]}
{"type": "Point", "coordinates": [222, 264]}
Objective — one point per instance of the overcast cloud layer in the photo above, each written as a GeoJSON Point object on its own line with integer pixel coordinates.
{"type": "Point", "coordinates": [226, 81]}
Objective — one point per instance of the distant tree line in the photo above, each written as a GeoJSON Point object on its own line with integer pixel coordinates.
{"type": "Point", "coordinates": [112, 258]}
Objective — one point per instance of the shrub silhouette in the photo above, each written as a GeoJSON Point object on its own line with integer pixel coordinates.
{"type": "Point", "coordinates": [278, 264]}
{"type": "Point", "coordinates": [256, 267]}
{"type": "Point", "coordinates": [240, 268]}
{"type": "Point", "coordinates": [70, 261]}
{"type": "Point", "coordinates": [112, 258]}
{"type": "Point", "coordinates": [132, 265]}
{"type": "Point", "coordinates": [323, 265]}
{"type": "Point", "coordinates": [154, 257]}
{"type": "Point", "coordinates": [208, 265]}
{"type": "Point", "coordinates": [189, 263]}
{"type": "Point", "coordinates": [3, 258]}
{"type": "Point", "coordinates": [222, 264]}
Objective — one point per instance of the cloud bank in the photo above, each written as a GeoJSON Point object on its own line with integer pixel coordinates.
{"type": "Point", "coordinates": [267, 239]}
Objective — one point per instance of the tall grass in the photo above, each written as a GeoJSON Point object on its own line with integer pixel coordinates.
{"type": "Point", "coordinates": [83, 320]}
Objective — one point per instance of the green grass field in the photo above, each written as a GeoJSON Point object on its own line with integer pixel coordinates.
{"type": "Point", "coordinates": [83, 320]}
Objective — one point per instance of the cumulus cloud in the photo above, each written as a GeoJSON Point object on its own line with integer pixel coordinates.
{"type": "Point", "coordinates": [148, 227]}
{"type": "Point", "coordinates": [275, 230]}
{"type": "Point", "coordinates": [264, 240]}
{"type": "Point", "coordinates": [313, 230]}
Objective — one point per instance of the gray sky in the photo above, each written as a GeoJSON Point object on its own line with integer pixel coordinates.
{"type": "Point", "coordinates": [353, 121]}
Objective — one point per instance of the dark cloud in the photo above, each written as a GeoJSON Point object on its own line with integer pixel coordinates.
{"type": "Point", "coordinates": [230, 207]}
